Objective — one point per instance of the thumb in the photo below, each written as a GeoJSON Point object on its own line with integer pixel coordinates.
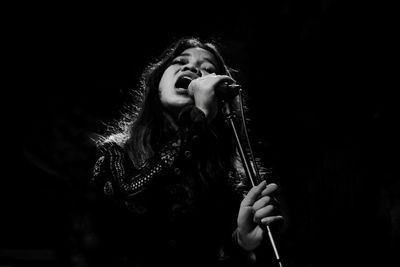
{"type": "Point", "coordinates": [245, 219]}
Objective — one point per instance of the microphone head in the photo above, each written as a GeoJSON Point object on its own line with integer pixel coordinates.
{"type": "Point", "coordinates": [227, 91]}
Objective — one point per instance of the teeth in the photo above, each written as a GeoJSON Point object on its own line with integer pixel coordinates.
{"type": "Point", "coordinates": [187, 78]}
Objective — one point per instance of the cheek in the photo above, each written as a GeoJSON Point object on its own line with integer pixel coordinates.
{"type": "Point", "coordinates": [164, 91]}
{"type": "Point", "coordinates": [166, 82]}
{"type": "Point", "coordinates": [162, 88]}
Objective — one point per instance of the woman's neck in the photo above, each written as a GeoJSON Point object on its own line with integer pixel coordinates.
{"type": "Point", "coordinates": [170, 122]}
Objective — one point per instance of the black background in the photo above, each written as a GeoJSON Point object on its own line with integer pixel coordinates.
{"type": "Point", "coordinates": [320, 81]}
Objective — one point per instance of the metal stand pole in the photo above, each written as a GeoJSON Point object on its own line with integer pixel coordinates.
{"type": "Point", "coordinates": [249, 168]}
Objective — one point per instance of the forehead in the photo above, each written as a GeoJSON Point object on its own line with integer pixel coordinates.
{"type": "Point", "coordinates": [200, 54]}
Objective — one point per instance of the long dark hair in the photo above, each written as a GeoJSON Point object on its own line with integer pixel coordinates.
{"type": "Point", "coordinates": [143, 124]}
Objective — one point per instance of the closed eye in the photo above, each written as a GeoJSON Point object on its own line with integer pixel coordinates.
{"type": "Point", "coordinates": [179, 61]}
{"type": "Point", "coordinates": [209, 70]}
{"type": "Point", "coordinates": [208, 66]}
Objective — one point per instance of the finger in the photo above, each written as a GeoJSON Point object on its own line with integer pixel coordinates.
{"type": "Point", "coordinates": [266, 211]}
{"type": "Point", "coordinates": [270, 189]}
{"type": "Point", "coordinates": [271, 219]}
{"type": "Point", "coordinates": [262, 202]}
{"type": "Point", "coordinates": [226, 78]}
{"type": "Point", "coordinates": [253, 194]}
{"type": "Point", "coordinates": [218, 78]}
{"type": "Point", "coordinates": [213, 74]}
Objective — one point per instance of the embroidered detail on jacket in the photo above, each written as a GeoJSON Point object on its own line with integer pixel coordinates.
{"type": "Point", "coordinates": [108, 188]}
{"type": "Point", "coordinates": [97, 166]}
{"type": "Point", "coordinates": [169, 153]}
{"type": "Point", "coordinates": [117, 165]}
{"type": "Point", "coordinates": [153, 167]}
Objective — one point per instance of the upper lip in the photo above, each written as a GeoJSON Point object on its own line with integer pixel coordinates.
{"type": "Point", "coordinates": [189, 75]}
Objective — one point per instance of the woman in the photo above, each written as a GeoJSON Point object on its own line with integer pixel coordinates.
{"type": "Point", "coordinates": [173, 189]}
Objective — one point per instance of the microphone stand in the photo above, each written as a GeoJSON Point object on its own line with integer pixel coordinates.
{"type": "Point", "coordinates": [250, 169]}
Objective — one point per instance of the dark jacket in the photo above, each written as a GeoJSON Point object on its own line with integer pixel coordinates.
{"type": "Point", "coordinates": [168, 210]}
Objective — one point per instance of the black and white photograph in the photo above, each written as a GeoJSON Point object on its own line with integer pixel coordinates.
{"type": "Point", "coordinates": [200, 134]}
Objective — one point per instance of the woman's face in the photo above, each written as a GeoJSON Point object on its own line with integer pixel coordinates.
{"type": "Point", "coordinates": [189, 65]}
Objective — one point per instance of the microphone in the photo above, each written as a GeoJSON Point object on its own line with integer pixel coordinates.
{"type": "Point", "coordinates": [227, 90]}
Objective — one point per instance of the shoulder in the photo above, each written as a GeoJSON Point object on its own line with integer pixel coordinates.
{"type": "Point", "coordinates": [109, 152]}
{"type": "Point", "coordinates": [111, 165]}
{"type": "Point", "coordinates": [110, 145]}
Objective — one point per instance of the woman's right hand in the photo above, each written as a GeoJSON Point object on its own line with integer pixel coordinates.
{"type": "Point", "coordinates": [203, 90]}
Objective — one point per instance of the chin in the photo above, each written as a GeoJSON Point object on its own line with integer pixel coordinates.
{"type": "Point", "coordinates": [183, 101]}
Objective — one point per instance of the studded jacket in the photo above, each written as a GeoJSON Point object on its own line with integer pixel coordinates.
{"type": "Point", "coordinates": [162, 212]}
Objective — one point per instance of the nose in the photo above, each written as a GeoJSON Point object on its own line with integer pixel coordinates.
{"type": "Point", "coordinates": [191, 67]}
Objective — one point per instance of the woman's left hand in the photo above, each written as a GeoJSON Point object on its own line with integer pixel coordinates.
{"type": "Point", "coordinates": [257, 209]}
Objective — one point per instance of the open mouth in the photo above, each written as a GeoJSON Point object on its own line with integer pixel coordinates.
{"type": "Point", "coordinates": [183, 82]}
